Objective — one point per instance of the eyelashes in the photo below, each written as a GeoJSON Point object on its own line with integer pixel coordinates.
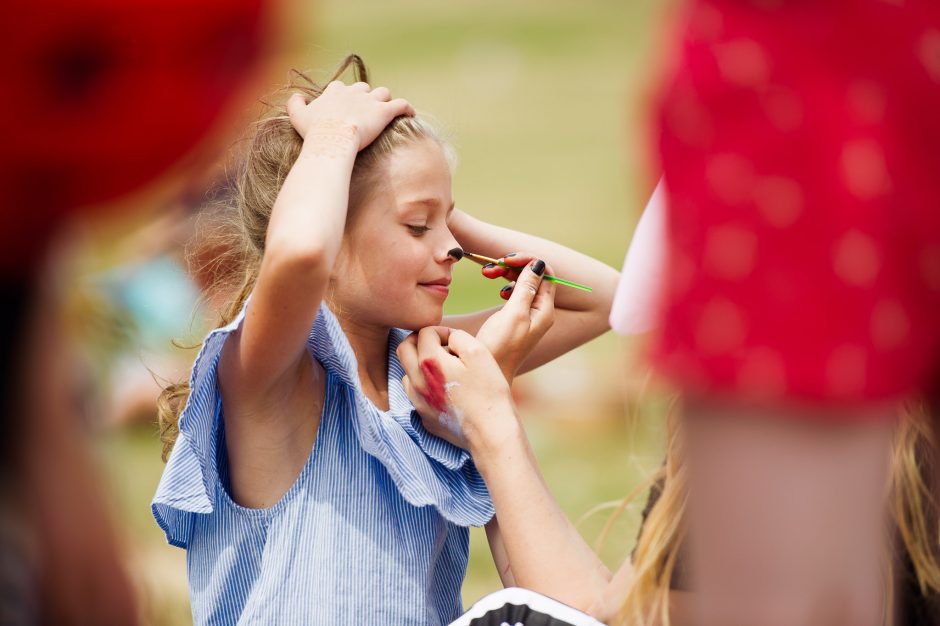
{"type": "Point", "coordinates": [417, 231]}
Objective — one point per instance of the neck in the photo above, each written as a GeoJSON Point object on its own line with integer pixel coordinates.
{"type": "Point", "coordinates": [370, 344]}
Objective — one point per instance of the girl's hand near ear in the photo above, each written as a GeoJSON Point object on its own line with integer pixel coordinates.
{"type": "Point", "coordinates": [346, 114]}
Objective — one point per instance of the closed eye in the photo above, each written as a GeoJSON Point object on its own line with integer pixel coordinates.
{"type": "Point", "coordinates": [417, 231]}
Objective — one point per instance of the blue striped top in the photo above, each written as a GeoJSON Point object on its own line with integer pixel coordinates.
{"type": "Point", "coordinates": [373, 531]}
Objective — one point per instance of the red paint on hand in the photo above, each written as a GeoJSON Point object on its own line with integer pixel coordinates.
{"type": "Point", "coordinates": [436, 396]}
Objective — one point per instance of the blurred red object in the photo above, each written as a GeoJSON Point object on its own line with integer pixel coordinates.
{"type": "Point", "coordinates": [101, 97]}
{"type": "Point", "coordinates": [104, 95]}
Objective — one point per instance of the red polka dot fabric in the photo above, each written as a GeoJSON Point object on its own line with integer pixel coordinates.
{"type": "Point", "coordinates": [800, 144]}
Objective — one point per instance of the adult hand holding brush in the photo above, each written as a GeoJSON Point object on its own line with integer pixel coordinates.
{"type": "Point", "coordinates": [447, 371]}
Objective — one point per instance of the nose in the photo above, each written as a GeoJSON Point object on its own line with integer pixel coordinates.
{"type": "Point", "coordinates": [447, 243]}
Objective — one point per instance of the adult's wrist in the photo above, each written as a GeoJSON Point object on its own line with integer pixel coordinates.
{"type": "Point", "coordinates": [504, 437]}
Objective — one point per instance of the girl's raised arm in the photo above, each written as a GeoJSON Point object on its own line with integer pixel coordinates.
{"type": "Point", "coordinates": [304, 234]}
{"type": "Point", "coordinates": [579, 316]}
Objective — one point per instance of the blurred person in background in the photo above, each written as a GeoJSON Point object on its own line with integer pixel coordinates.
{"type": "Point", "coordinates": [93, 112]}
{"type": "Point", "coordinates": [799, 144]}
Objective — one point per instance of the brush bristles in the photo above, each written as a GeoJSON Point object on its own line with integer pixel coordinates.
{"type": "Point", "coordinates": [457, 253]}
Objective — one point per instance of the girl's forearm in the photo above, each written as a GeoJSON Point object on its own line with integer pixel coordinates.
{"type": "Point", "coordinates": [545, 551]}
{"type": "Point", "coordinates": [481, 237]}
{"type": "Point", "coordinates": [309, 215]}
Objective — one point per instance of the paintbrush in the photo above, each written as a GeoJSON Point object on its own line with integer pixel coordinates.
{"type": "Point", "coordinates": [458, 254]}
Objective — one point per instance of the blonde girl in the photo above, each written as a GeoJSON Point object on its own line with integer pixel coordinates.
{"type": "Point", "coordinates": [300, 482]}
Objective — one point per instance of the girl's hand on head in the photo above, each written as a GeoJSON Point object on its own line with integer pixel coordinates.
{"type": "Point", "coordinates": [345, 114]}
{"type": "Point", "coordinates": [511, 333]}
{"type": "Point", "coordinates": [457, 387]}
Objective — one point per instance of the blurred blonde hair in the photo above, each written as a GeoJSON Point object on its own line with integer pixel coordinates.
{"type": "Point", "coordinates": [913, 503]}
{"type": "Point", "coordinates": [272, 147]}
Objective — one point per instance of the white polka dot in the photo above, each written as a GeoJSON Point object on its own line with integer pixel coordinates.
{"type": "Point", "coordinates": [706, 23]}
{"type": "Point", "coordinates": [762, 374]}
{"type": "Point", "coordinates": [721, 327]}
{"type": "Point", "coordinates": [890, 324]}
{"type": "Point", "coordinates": [855, 259]}
{"type": "Point", "coordinates": [845, 370]}
{"type": "Point", "coordinates": [929, 262]}
{"type": "Point", "coordinates": [864, 170]}
{"type": "Point", "coordinates": [730, 177]}
{"type": "Point", "coordinates": [929, 53]}
{"type": "Point", "coordinates": [689, 121]}
{"type": "Point", "coordinates": [779, 200]}
{"type": "Point", "coordinates": [867, 100]}
{"type": "Point", "coordinates": [743, 62]}
{"type": "Point", "coordinates": [784, 108]}
{"type": "Point", "coordinates": [730, 252]}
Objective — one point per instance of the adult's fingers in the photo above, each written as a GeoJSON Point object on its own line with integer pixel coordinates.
{"type": "Point", "coordinates": [466, 347]}
{"type": "Point", "coordinates": [518, 260]}
{"type": "Point", "coordinates": [506, 292]}
{"type": "Point", "coordinates": [408, 355]}
{"type": "Point", "coordinates": [432, 341]}
{"type": "Point", "coordinates": [543, 305]}
{"type": "Point", "coordinates": [520, 302]}
{"type": "Point", "coordinates": [491, 270]}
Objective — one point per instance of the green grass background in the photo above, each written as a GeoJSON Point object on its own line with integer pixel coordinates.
{"type": "Point", "coordinates": [547, 106]}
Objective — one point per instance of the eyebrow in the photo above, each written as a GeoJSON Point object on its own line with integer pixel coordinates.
{"type": "Point", "coordinates": [432, 202]}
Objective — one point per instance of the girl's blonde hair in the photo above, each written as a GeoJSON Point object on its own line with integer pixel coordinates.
{"type": "Point", "coordinates": [914, 509]}
{"type": "Point", "coordinates": [272, 147]}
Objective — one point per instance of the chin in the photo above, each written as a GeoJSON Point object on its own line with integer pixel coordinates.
{"type": "Point", "coordinates": [417, 321]}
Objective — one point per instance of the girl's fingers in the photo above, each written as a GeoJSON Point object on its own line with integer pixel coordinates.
{"type": "Point", "coordinates": [295, 106]}
{"type": "Point", "coordinates": [400, 106]}
{"type": "Point", "coordinates": [382, 94]}
{"type": "Point", "coordinates": [360, 86]}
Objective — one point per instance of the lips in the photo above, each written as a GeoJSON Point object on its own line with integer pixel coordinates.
{"type": "Point", "coordinates": [440, 281]}
{"type": "Point", "coordinates": [439, 286]}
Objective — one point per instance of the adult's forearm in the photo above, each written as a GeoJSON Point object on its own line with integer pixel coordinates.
{"type": "Point", "coordinates": [546, 553]}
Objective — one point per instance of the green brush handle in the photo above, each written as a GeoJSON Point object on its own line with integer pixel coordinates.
{"type": "Point", "coordinates": [569, 283]}
{"type": "Point", "coordinates": [553, 279]}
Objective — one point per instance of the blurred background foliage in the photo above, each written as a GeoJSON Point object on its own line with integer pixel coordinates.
{"type": "Point", "coordinates": [547, 104]}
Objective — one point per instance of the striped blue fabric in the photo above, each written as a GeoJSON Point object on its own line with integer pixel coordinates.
{"type": "Point", "coordinates": [373, 531]}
